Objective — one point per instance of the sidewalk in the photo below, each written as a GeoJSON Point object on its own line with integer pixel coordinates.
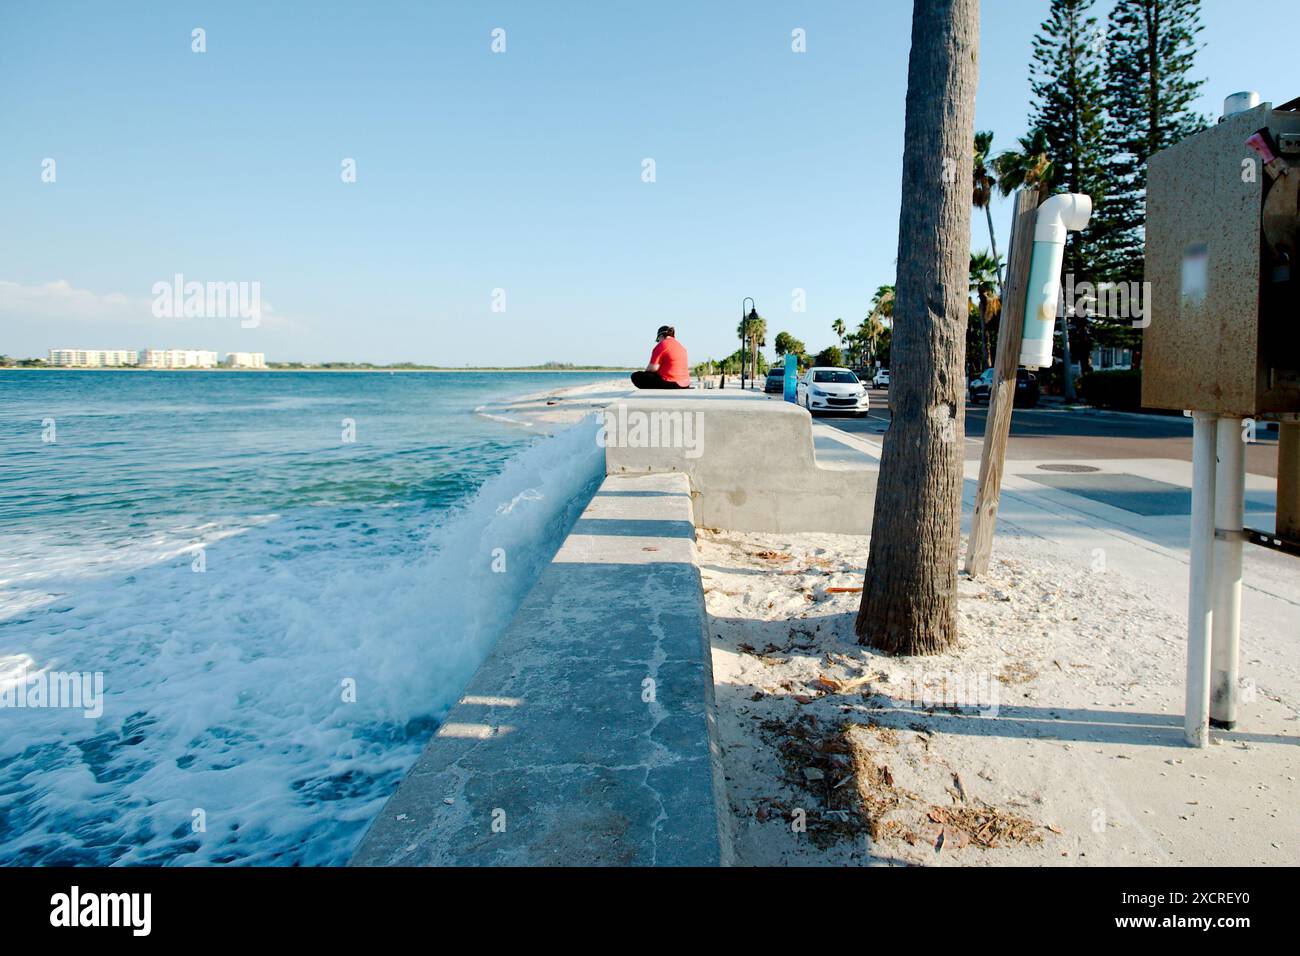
{"type": "Point", "coordinates": [1082, 619]}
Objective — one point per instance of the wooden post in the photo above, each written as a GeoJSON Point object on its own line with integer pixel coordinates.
{"type": "Point", "coordinates": [1002, 394]}
{"type": "Point", "coordinates": [1288, 481]}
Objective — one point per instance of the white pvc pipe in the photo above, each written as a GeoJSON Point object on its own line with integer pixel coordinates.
{"type": "Point", "coordinates": [1229, 511]}
{"type": "Point", "coordinates": [1062, 213]}
{"type": "Point", "coordinates": [1196, 714]}
{"type": "Point", "coordinates": [1059, 215]}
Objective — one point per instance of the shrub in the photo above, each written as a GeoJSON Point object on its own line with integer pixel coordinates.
{"type": "Point", "coordinates": [829, 357]}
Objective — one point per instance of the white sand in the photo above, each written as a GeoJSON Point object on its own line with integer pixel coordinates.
{"type": "Point", "coordinates": [1079, 676]}
{"type": "Point", "coordinates": [1070, 716]}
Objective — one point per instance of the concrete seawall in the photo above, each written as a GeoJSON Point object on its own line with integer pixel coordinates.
{"type": "Point", "coordinates": [751, 463]}
{"type": "Point", "coordinates": [585, 737]}
{"type": "Point", "coordinates": [588, 736]}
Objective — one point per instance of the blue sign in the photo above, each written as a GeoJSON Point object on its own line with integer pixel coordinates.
{"type": "Point", "coordinates": [791, 376]}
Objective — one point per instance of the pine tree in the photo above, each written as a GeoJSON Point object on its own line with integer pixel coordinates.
{"type": "Point", "coordinates": [1066, 78]}
{"type": "Point", "coordinates": [1150, 52]}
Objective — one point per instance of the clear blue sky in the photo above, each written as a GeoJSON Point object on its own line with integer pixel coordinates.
{"type": "Point", "coordinates": [478, 171]}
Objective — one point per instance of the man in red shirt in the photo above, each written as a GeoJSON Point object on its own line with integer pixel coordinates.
{"type": "Point", "coordinates": [668, 367]}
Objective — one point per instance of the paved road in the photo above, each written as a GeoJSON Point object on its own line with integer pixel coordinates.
{"type": "Point", "coordinates": [1046, 433]}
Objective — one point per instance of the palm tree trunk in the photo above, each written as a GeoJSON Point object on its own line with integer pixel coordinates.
{"type": "Point", "coordinates": [1067, 371]}
{"type": "Point", "coordinates": [909, 597]}
{"type": "Point", "coordinates": [993, 242]}
{"type": "Point", "coordinates": [984, 331]}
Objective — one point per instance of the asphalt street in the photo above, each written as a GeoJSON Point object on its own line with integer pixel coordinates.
{"type": "Point", "coordinates": [1048, 432]}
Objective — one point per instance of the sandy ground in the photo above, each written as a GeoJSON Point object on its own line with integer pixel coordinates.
{"type": "Point", "coordinates": [1051, 736]}
{"type": "Point", "coordinates": [546, 411]}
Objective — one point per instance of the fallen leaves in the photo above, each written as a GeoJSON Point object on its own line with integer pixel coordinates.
{"type": "Point", "coordinates": [987, 827]}
{"type": "Point", "coordinates": [833, 685]}
{"type": "Point", "coordinates": [819, 763]}
{"type": "Point", "coordinates": [1017, 672]}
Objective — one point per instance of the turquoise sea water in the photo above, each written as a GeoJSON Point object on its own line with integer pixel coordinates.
{"type": "Point", "coordinates": [283, 581]}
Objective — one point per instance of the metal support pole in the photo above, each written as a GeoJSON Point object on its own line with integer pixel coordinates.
{"type": "Point", "coordinates": [1229, 510]}
{"type": "Point", "coordinates": [1196, 714]}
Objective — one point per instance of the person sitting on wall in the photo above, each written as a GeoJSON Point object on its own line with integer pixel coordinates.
{"type": "Point", "coordinates": [668, 367]}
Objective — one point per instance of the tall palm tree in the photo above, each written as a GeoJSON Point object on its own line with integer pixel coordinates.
{"type": "Point", "coordinates": [754, 332]}
{"type": "Point", "coordinates": [882, 309]}
{"type": "Point", "coordinates": [983, 283]}
{"type": "Point", "coordinates": [868, 333]}
{"type": "Point", "coordinates": [985, 181]}
{"type": "Point", "coordinates": [1030, 165]}
{"type": "Point", "coordinates": [882, 303]}
{"type": "Point", "coordinates": [838, 328]}
{"type": "Point", "coordinates": [909, 595]}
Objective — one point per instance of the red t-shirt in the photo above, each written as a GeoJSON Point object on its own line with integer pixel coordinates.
{"type": "Point", "coordinates": [671, 356]}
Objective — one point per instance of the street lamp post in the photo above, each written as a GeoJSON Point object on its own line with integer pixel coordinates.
{"type": "Point", "coordinates": [753, 315]}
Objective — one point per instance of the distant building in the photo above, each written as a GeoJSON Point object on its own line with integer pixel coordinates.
{"type": "Point", "coordinates": [1108, 360]}
{"type": "Point", "coordinates": [94, 358]}
{"type": "Point", "coordinates": [178, 358]}
{"type": "Point", "coordinates": [245, 360]}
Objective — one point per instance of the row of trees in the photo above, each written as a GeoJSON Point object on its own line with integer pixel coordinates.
{"type": "Point", "coordinates": [870, 339]}
{"type": "Point", "coordinates": [866, 344]}
{"type": "Point", "coordinates": [1104, 102]}
{"type": "Point", "coordinates": [1105, 99]}
{"type": "Point", "coordinates": [869, 342]}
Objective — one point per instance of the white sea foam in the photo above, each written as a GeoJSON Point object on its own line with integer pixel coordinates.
{"type": "Point", "coordinates": [482, 412]}
{"type": "Point", "coordinates": [227, 692]}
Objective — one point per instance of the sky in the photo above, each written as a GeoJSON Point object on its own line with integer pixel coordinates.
{"type": "Point", "coordinates": [500, 212]}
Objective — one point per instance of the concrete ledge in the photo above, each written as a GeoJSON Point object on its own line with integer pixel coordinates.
{"type": "Point", "coordinates": [585, 737]}
{"type": "Point", "coordinates": [750, 462]}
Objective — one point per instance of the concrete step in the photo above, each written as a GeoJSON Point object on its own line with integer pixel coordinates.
{"type": "Point", "coordinates": [585, 737]}
{"type": "Point", "coordinates": [752, 463]}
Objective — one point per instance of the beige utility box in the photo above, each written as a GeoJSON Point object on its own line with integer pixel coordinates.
{"type": "Point", "coordinates": [1221, 259]}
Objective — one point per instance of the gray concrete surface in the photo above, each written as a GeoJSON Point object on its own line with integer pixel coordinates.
{"type": "Point", "coordinates": [1052, 432]}
{"type": "Point", "coordinates": [585, 738]}
{"type": "Point", "coordinates": [751, 463]}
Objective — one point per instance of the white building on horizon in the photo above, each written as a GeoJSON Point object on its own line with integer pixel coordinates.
{"type": "Point", "coordinates": [245, 360]}
{"type": "Point", "coordinates": [94, 358]}
{"type": "Point", "coordinates": [178, 358]}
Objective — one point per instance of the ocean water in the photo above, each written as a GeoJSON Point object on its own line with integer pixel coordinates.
{"type": "Point", "coordinates": [283, 580]}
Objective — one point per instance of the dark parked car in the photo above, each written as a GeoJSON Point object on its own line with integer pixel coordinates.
{"type": "Point", "coordinates": [775, 379]}
{"type": "Point", "coordinates": [1026, 388]}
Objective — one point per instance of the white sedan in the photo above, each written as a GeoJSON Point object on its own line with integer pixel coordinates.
{"type": "Point", "coordinates": [832, 390]}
